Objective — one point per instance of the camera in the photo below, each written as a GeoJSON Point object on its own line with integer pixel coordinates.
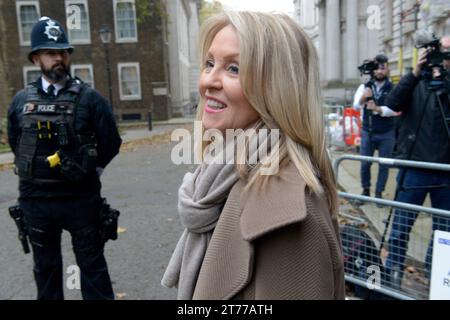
{"type": "Point", "coordinates": [368, 67]}
{"type": "Point", "coordinates": [425, 39]}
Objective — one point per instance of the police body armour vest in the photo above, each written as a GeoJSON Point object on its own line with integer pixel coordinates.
{"type": "Point", "coordinates": [48, 128]}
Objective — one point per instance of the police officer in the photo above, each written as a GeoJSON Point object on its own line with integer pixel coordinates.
{"type": "Point", "coordinates": [63, 134]}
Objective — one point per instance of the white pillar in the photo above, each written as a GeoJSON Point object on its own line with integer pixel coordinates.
{"type": "Point", "coordinates": [178, 38]}
{"type": "Point", "coordinates": [351, 55]}
{"type": "Point", "coordinates": [333, 39]}
{"type": "Point", "coordinates": [388, 14]}
{"type": "Point", "coordinates": [194, 71]}
{"type": "Point", "coordinates": [297, 12]}
{"type": "Point", "coordinates": [322, 40]}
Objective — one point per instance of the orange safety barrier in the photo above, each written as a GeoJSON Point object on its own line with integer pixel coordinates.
{"type": "Point", "coordinates": [352, 127]}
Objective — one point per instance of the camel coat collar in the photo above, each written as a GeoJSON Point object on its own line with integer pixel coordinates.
{"type": "Point", "coordinates": [245, 218]}
{"type": "Point", "coordinates": [280, 203]}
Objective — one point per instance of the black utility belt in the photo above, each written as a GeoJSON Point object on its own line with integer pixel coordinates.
{"type": "Point", "coordinates": [60, 166]}
{"type": "Point", "coordinates": [43, 170]}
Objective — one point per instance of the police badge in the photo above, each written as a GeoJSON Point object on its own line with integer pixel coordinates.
{"type": "Point", "coordinates": [28, 108]}
{"type": "Point", "coordinates": [52, 30]}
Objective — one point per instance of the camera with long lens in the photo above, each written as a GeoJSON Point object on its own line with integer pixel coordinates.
{"type": "Point", "coordinates": [368, 67]}
{"type": "Point", "coordinates": [433, 70]}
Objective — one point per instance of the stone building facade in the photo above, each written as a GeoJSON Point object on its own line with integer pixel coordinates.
{"type": "Point", "coordinates": [183, 29]}
{"type": "Point", "coordinates": [346, 32]}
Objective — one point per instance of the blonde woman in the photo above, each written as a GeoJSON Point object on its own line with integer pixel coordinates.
{"type": "Point", "coordinates": [250, 235]}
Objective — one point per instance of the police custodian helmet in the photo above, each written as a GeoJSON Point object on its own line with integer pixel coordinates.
{"type": "Point", "coordinates": [48, 34]}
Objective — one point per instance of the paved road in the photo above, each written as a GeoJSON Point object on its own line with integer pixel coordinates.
{"type": "Point", "coordinates": [142, 183]}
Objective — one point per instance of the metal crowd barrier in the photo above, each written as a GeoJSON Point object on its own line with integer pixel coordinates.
{"type": "Point", "coordinates": [365, 237]}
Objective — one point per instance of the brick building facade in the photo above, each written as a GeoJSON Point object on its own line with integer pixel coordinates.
{"type": "Point", "coordinates": [138, 51]}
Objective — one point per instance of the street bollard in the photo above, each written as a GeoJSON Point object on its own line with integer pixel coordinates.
{"type": "Point", "coordinates": [150, 127]}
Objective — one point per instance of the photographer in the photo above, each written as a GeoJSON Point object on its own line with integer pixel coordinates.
{"type": "Point", "coordinates": [422, 96]}
{"type": "Point", "coordinates": [378, 126]}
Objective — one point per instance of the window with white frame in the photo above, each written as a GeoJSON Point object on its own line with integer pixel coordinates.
{"type": "Point", "coordinates": [84, 72]}
{"type": "Point", "coordinates": [28, 13]}
{"type": "Point", "coordinates": [30, 74]}
{"type": "Point", "coordinates": [77, 14]}
{"type": "Point", "coordinates": [129, 81]}
{"type": "Point", "coordinates": [125, 21]}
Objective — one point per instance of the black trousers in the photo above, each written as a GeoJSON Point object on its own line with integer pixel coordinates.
{"type": "Point", "coordinates": [46, 218]}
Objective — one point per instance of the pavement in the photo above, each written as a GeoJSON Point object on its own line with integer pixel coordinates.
{"type": "Point", "coordinates": [6, 158]}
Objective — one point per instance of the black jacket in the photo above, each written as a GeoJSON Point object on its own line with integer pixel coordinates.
{"type": "Point", "coordinates": [93, 114]}
{"type": "Point", "coordinates": [422, 135]}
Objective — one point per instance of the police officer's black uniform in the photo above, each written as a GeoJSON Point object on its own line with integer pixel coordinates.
{"type": "Point", "coordinates": [59, 143]}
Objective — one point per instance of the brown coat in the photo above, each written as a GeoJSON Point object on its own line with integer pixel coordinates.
{"type": "Point", "coordinates": [277, 243]}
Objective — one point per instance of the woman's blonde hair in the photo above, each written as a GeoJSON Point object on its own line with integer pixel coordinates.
{"type": "Point", "coordinates": [279, 74]}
